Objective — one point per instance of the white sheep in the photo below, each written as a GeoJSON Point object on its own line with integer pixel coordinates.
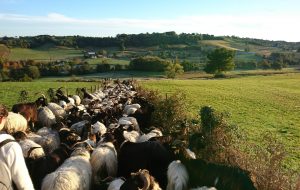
{"type": "Point", "coordinates": [104, 161]}
{"type": "Point", "coordinates": [46, 117]}
{"type": "Point", "coordinates": [31, 149]}
{"type": "Point", "coordinates": [74, 174]}
{"type": "Point", "coordinates": [15, 122]}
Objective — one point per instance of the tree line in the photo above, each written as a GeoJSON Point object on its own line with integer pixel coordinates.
{"type": "Point", "coordinates": [120, 40]}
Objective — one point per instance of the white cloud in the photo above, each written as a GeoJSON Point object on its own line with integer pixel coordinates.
{"type": "Point", "coordinates": [267, 26]}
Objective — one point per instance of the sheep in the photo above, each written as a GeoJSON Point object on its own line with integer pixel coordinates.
{"type": "Point", "coordinates": [74, 174]}
{"type": "Point", "coordinates": [140, 180]}
{"type": "Point", "coordinates": [104, 161]}
{"type": "Point", "coordinates": [46, 117]}
{"type": "Point", "coordinates": [15, 122]}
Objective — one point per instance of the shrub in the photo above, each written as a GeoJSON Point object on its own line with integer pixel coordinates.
{"type": "Point", "coordinates": [148, 63]}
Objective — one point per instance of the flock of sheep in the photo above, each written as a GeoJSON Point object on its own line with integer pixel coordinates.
{"type": "Point", "coordinates": [102, 140]}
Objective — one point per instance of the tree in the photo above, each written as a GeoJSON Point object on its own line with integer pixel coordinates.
{"type": "Point", "coordinates": [189, 66]}
{"type": "Point", "coordinates": [4, 53]}
{"type": "Point", "coordinates": [220, 60]}
{"type": "Point", "coordinates": [277, 65]}
{"type": "Point", "coordinates": [265, 64]}
{"type": "Point", "coordinates": [33, 72]}
{"type": "Point", "coordinates": [174, 69]}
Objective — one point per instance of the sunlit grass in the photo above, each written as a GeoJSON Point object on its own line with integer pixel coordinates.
{"type": "Point", "coordinates": [256, 104]}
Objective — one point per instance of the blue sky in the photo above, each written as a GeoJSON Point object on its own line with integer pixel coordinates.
{"type": "Point", "coordinates": [265, 19]}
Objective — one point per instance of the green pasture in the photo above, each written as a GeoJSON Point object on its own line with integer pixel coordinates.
{"type": "Point", "coordinates": [108, 60]}
{"type": "Point", "coordinates": [256, 104]}
{"type": "Point", "coordinates": [43, 54]}
{"type": "Point", "coordinates": [9, 91]}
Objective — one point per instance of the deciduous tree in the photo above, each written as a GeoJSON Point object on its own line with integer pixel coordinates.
{"type": "Point", "coordinates": [220, 60]}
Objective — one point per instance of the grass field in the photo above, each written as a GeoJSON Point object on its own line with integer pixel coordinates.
{"type": "Point", "coordinates": [9, 92]}
{"type": "Point", "coordinates": [256, 104]}
{"type": "Point", "coordinates": [43, 54]}
{"type": "Point", "coordinates": [109, 61]}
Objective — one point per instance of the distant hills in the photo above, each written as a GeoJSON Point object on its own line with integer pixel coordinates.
{"type": "Point", "coordinates": [162, 40]}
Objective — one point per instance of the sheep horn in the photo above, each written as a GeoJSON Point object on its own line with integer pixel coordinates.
{"type": "Point", "coordinates": [43, 95]}
{"type": "Point", "coordinates": [144, 175]}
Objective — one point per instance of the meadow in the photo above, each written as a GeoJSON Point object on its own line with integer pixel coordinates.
{"type": "Point", "coordinates": [256, 104]}
{"type": "Point", "coordinates": [10, 91]}
{"type": "Point", "coordinates": [44, 53]}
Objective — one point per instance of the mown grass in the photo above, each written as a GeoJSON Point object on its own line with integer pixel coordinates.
{"type": "Point", "coordinates": [258, 105]}
{"type": "Point", "coordinates": [9, 93]}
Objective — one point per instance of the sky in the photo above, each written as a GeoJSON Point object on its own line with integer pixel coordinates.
{"type": "Point", "coordinates": [263, 19]}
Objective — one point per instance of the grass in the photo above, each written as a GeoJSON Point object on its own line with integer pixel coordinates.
{"type": "Point", "coordinates": [43, 54]}
{"type": "Point", "coordinates": [257, 104]}
{"type": "Point", "coordinates": [109, 61]}
{"type": "Point", "coordinates": [218, 43]}
{"type": "Point", "coordinates": [10, 90]}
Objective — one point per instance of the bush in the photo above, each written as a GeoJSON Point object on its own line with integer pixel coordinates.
{"type": "Point", "coordinates": [26, 78]}
{"type": "Point", "coordinates": [148, 63]}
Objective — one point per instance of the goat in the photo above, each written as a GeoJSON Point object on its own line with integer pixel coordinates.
{"type": "Point", "coordinates": [30, 149]}
{"type": "Point", "coordinates": [74, 174]}
{"type": "Point", "coordinates": [15, 122]}
{"type": "Point", "coordinates": [150, 155]}
{"type": "Point", "coordinates": [140, 180]}
{"type": "Point", "coordinates": [39, 168]}
{"type": "Point", "coordinates": [46, 117]}
{"type": "Point", "coordinates": [104, 161]}
{"type": "Point", "coordinates": [151, 134]}
{"type": "Point", "coordinates": [116, 184]}
{"type": "Point", "coordinates": [196, 172]}
{"type": "Point", "coordinates": [57, 110]}
{"type": "Point", "coordinates": [29, 110]}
